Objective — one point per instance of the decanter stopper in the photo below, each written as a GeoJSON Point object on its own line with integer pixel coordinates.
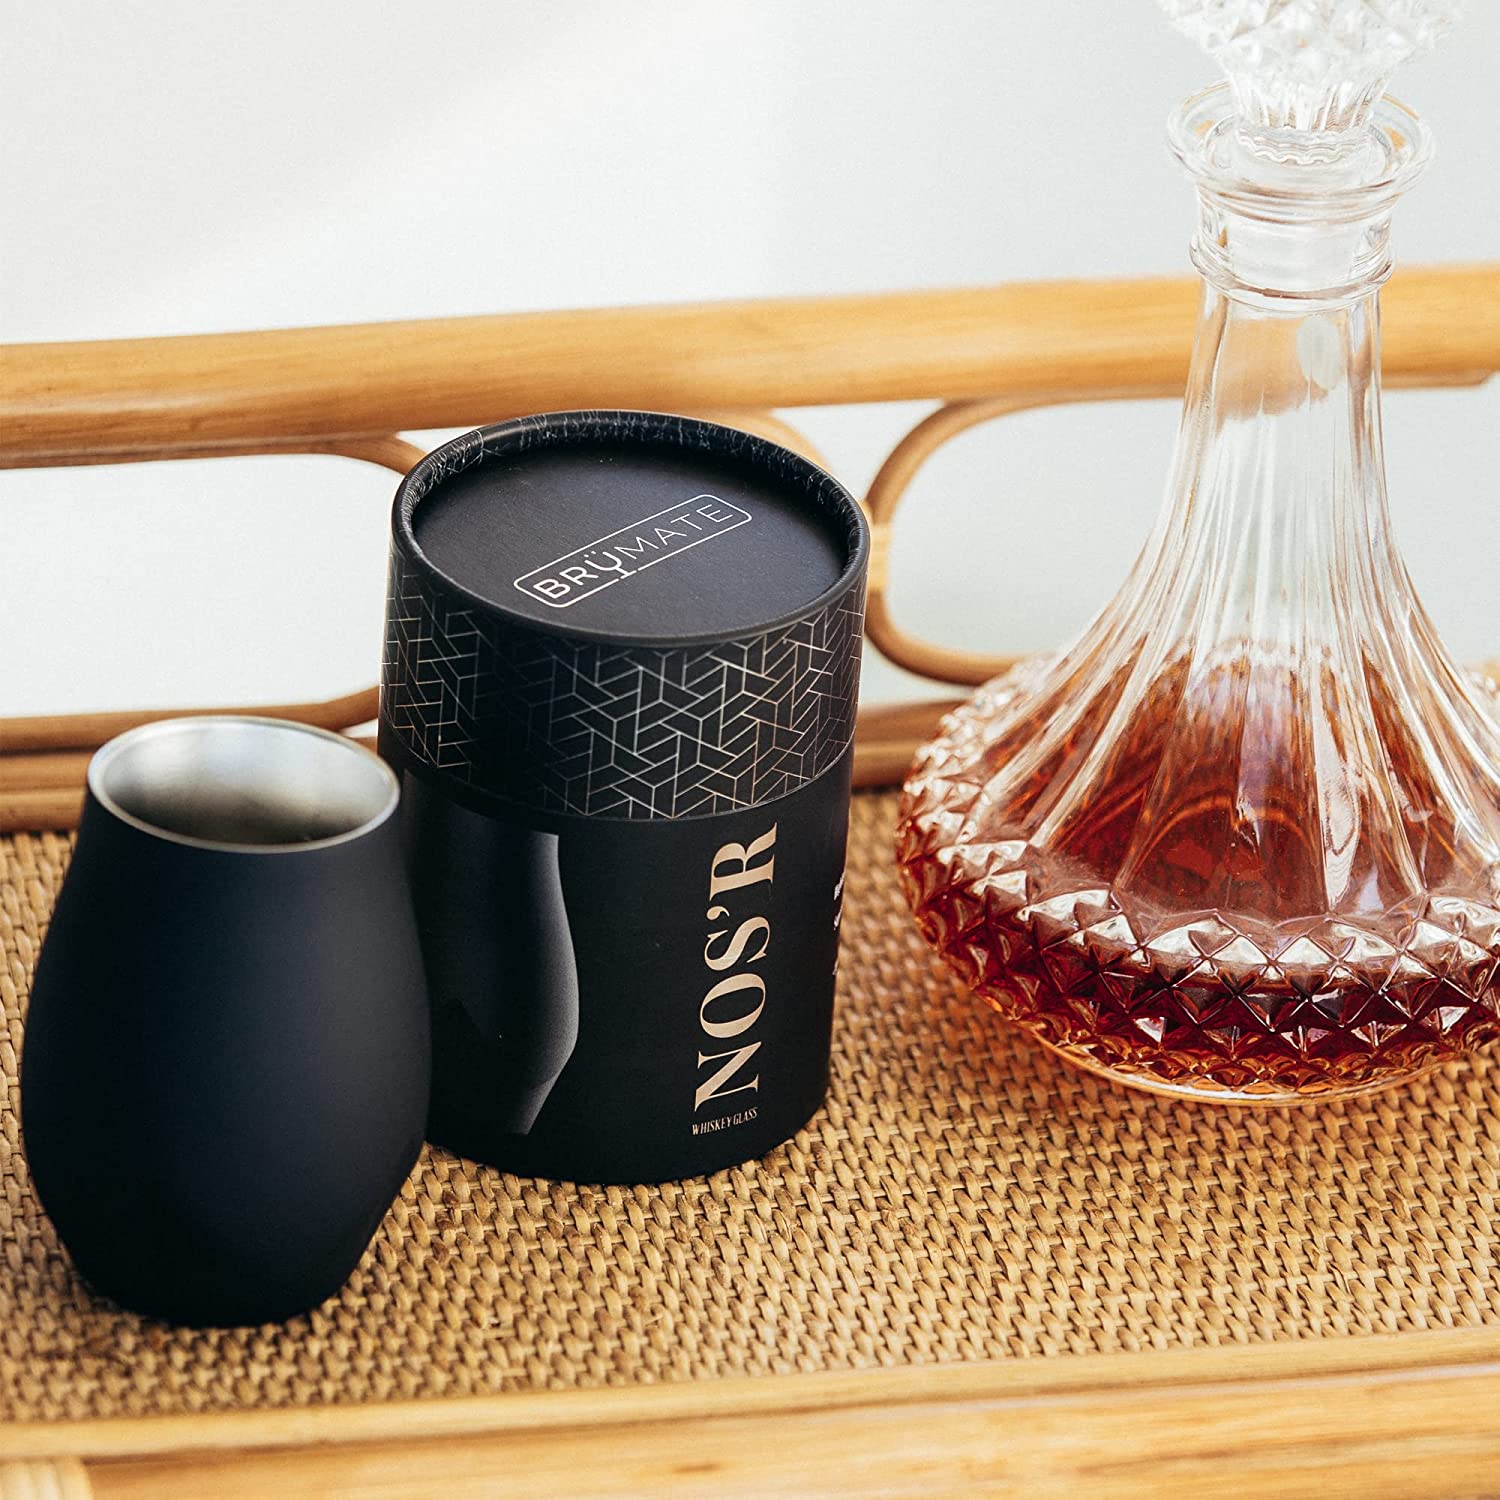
{"type": "Point", "coordinates": [1305, 74]}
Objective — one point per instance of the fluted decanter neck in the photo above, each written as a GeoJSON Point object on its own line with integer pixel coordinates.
{"type": "Point", "coordinates": [1256, 610]}
{"type": "Point", "coordinates": [1298, 233]}
{"type": "Point", "coordinates": [1280, 450]}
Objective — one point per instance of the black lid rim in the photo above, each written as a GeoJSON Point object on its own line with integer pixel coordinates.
{"type": "Point", "coordinates": [644, 429]}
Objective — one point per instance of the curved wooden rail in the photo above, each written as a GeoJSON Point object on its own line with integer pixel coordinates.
{"type": "Point", "coordinates": [67, 403]}
{"type": "Point", "coordinates": [1405, 1417]}
{"type": "Point", "coordinates": [982, 353]}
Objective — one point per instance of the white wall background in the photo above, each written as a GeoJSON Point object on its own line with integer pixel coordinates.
{"type": "Point", "coordinates": [187, 167]}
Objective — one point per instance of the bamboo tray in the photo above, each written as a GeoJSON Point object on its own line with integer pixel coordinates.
{"type": "Point", "coordinates": [976, 1271]}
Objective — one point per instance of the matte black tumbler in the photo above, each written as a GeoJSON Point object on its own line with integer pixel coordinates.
{"type": "Point", "coordinates": [225, 1072]}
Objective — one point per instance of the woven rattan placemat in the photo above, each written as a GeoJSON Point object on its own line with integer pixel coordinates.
{"type": "Point", "coordinates": [963, 1196]}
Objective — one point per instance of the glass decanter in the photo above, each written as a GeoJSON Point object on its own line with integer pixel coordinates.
{"type": "Point", "coordinates": [1241, 841]}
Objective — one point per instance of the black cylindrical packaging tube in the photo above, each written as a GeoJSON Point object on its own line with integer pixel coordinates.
{"type": "Point", "coordinates": [620, 680]}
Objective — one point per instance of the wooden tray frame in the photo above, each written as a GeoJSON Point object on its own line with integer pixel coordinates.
{"type": "Point", "coordinates": [1412, 1415]}
{"type": "Point", "coordinates": [1402, 1417]}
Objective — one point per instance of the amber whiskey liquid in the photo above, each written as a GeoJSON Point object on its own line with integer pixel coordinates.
{"type": "Point", "coordinates": [1219, 915]}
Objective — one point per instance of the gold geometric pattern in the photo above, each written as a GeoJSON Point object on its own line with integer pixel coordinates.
{"type": "Point", "coordinates": [619, 731]}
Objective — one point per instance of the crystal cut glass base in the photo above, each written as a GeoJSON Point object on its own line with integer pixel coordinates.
{"type": "Point", "coordinates": [1208, 1003]}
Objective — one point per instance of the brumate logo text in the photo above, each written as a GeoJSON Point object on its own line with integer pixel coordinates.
{"type": "Point", "coordinates": [631, 550]}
